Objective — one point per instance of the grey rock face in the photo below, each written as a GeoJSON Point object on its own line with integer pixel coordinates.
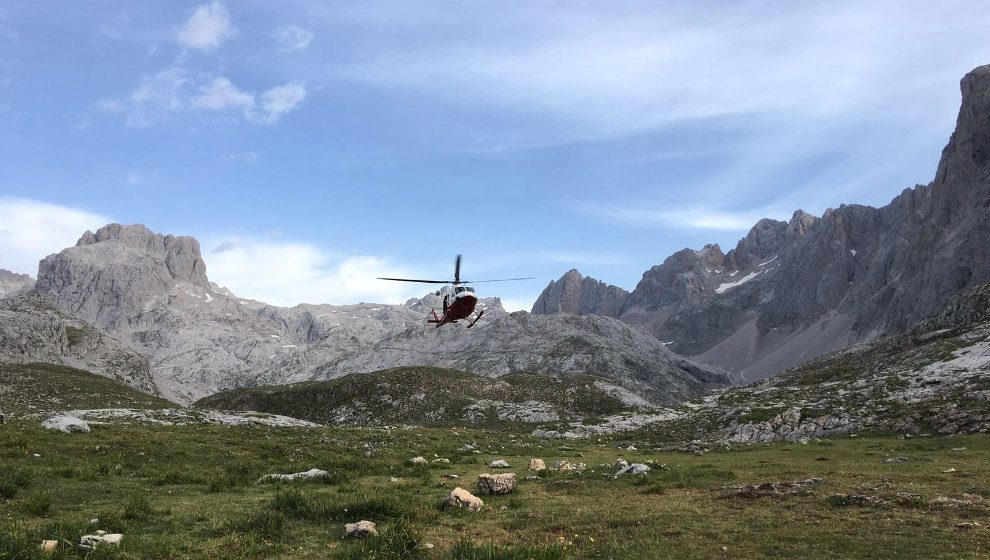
{"type": "Point", "coordinates": [32, 330]}
{"type": "Point", "coordinates": [791, 291]}
{"type": "Point", "coordinates": [520, 342]}
{"type": "Point", "coordinates": [578, 295]}
{"type": "Point", "coordinates": [12, 284]}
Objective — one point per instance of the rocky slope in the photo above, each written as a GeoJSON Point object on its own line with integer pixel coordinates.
{"type": "Point", "coordinates": [932, 379]}
{"type": "Point", "coordinates": [12, 284]}
{"type": "Point", "coordinates": [790, 291]}
{"type": "Point", "coordinates": [432, 397]}
{"type": "Point", "coordinates": [151, 292]}
{"type": "Point", "coordinates": [33, 331]}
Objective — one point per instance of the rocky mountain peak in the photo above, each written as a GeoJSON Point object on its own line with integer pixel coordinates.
{"type": "Point", "coordinates": [121, 271]}
{"type": "Point", "coordinates": [579, 295]}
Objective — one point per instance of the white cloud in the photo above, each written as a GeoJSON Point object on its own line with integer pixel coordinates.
{"type": "Point", "coordinates": [207, 27]}
{"type": "Point", "coordinates": [600, 70]}
{"type": "Point", "coordinates": [175, 90]}
{"type": "Point", "coordinates": [278, 101]}
{"type": "Point", "coordinates": [292, 38]}
{"type": "Point", "coordinates": [220, 94]}
{"type": "Point", "coordinates": [31, 230]}
{"type": "Point", "coordinates": [250, 158]}
{"type": "Point", "coordinates": [682, 218]}
{"type": "Point", "coordinates": [288, 273]}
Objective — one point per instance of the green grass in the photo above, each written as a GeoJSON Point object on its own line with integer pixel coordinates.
{"type": "Point", "coordinates": [164, 498]}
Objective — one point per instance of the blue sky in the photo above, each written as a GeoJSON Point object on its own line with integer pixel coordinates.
{"type": "Point", "coordinates": [312, 146]}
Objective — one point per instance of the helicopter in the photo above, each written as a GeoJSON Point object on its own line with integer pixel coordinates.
{"type": "Point", "coordinates": [462, 306]}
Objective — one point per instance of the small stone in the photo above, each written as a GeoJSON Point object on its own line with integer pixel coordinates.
{"type": "Point", "coordinates": [638, 469]}
{"type": "Point", "coordinates": [425, 546]}
{"type": "Point", "coordinates": [496, 484]}
{"type": "Point", "coordinates": [967, 525]}
{"type": "Point", "coordinates": [498, 464]}
{"type": "Point", "coordinates": [537, 465]}
{"type": "Point", "coordinates": [360, 530]}
{"type": "Point", "coordinates": [452, 476]}
{"type": "Point", "coordinates": [442, 461]}
{"type": "Point", "coordinates": [393, 479]}
{"type": "Point", "coordinates": [631, 448]}
{"type": "Point", "coordinates": [91, 541]}
{"type": "Point", "coordinates": [949, 470]}
{"type": "Point", "coordinates": [49, 546]}
{"type": "Point", "coordinates": [460, 497]}
{"type": "Point", "coordinates": [420, 461]}
{"type": "Point", "coordinates": [620, 464]}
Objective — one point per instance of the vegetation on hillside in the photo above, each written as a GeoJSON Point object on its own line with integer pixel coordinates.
{"type": "Point", "coordinates": [428, 396]}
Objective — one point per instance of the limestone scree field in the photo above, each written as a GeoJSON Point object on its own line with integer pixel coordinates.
{"type": "Point", "coordinates": [194, 491]}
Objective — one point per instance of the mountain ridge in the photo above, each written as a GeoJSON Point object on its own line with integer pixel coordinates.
{"type": "Point", "coordinates": [790, 291]}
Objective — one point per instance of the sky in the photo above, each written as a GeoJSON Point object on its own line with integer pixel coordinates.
{"type": "Point", "coordinates": [312, 146]}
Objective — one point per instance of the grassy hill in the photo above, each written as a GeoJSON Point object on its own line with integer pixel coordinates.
{"type": "Point", "coordinates": [431, 396]}
{"type": "Point", "coordinates": [37, 389]}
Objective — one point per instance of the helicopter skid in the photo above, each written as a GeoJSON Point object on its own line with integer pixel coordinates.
{"type": "Point", "coordinates": [471, 324]}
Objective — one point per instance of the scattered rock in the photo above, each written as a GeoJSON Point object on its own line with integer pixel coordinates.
{"type": "Point", "coordinates": [452, 476]}
{"type": "Point", "coordinates": [65, 423]}
{"type": "Point", "coordinates": [460, 497]}
{"type": "Point", "coordinates": [420, 461]}
{"type": "Point", "coordinates": [856, 500]}
{"type": "Point", "coordinates": [537, 465]}
{"type": "Point", "coordinates": [967, 525]}
{"type": "Point", "coordinates": [499, 464]}
{"type": "Point", "coordinates": [634, 469]}
{"type": "Point", "coordinates": [91, 541]}
{"type": "Point", "coordinates": [496, 484]}
{"type": "Point", "coordinates": [360, 530]}
{"type": "Point", "coordinates": [442, 461]}
{"type": "Point", "coordinates": [949, 470]}
{"type": "Point", "coordinates": [620, 464]}
{"type": "Point", "coordinates": [631, 448]}
{"type": "Point", "coordinates": [425, 546]}
{"type": "Point", "coordinates": [902, 459]}
{"type": "Point", "coordinates": [49, 546]}
{"type": "Point", "coordinates": [311, 473]}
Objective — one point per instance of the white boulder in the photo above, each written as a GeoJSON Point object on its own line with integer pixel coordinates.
{"type": "Point", "coordinates": [66, 423]}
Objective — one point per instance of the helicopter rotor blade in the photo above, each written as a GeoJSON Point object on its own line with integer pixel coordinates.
{"type": "Point", "coordinates": [457, 270]}
{"type": "Point", "coordinates": [498, 280]}
{"type": "Point", "coordinates": [413, 280]}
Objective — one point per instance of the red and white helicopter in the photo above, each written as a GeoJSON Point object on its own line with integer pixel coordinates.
{"type": "Point", "coordinates": [464, 300]}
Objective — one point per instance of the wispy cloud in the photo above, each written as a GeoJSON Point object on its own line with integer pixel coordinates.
{"type": "Point", "coordinates": [680, 218]}
{"type": "Point", "coordinates": [250, 158]}
{"type": "Point", "coordinates": [289, 272]}
{"type": "Point", "coordinates": [176, 90]}
{"type": "Point", "coordinates": [30, 230]}
{"type": "Point", "coordinates": [207, 27]}
{"type": "Point", "coordinates": [292, 38]}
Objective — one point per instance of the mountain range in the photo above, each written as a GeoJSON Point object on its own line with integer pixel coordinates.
{"type": "Point", "coordinates": [791, 291]}
{"type": "Point", "coordinates": [137, 307]}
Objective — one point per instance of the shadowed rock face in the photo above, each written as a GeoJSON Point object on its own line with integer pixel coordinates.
{"type": "Point", "coordinates": [578, 295]}
{"type": "Point", "coordinates": [791, 291]}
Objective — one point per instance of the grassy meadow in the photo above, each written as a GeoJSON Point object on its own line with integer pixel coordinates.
{"type": "Point", "coordinates": [191, 492]}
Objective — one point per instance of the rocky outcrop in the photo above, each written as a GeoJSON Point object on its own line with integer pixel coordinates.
{"type": "Point", "coordinates": [13, 284]}
{"type": "Point", "coordinates": [109, 278]}
{"type": "Point", "coordinates": [579, 295]}
{"type": "Point", "coordinates": [496, 484]}
{"type": "Point", "coordinates": [33, 331]}
{"type": "Point", "coordinates": [791, 291]}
